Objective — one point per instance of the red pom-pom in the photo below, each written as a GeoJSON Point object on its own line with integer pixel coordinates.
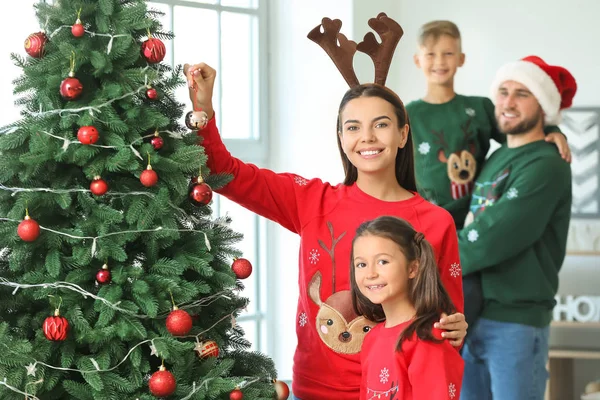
{"type": "Point", "coordinates": [103, 276]}
{"type": "Point", "coordinates": [200, 194]}
{"type": "Point", "coordinates": [153, 50]}
{"type": "Point", "coordinates": [35, 44]}
{"type": "Point", "coordinates": [152, 94]}
{"type": "Point", "coordinates": [179, 322]}
{"type": "Point", "coordinates": [208, 348]}
{"type": "Point", "coordinates": [88, 135]}
{"type": "Point", "coordinates": [282, 390]}
{"type": "Point", "coordinates": [71, 88]}
{"type": "Point", "coordinates": [236, 394]}
{"type": "Point", "coordinates": [28, 229]}
{"type": "Point", "coordinates": [98, 186]}
{"type": "Point", "coordinates": [162, 383]}
{"type": "Point", "coordinates": [241, 268]}
{"type": "Point", "coordinates": [56, 327]}
{"type": "Point", "coordinates": [149, 177]}
{"type": "Point", "coordinates": [77, 29]}
{"type": "Point", "coordinates": [157, 142]}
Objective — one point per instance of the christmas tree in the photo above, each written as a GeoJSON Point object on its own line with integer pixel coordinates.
{"type": "Point", "coordinates": [116, 281]}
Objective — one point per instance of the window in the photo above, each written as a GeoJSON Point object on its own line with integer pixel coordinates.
{"type": "Point", "coordinates": [230, 36]}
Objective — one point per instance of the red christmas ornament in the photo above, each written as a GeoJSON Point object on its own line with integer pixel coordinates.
{"type": "Point", "coordinates": [200, 193]}
{"type": "Point", "coordinates": [179, 322]}
{"type": "Point", "coordinates": [196, 120]}
{"type": "Point", "coordinates": [35, 44]}
{"type": "Point", "coordinates": [103, 276]}
{"type": "Point", "coordinates": [162, 383]}
{"type": "Point", "coordinates": [28, 229]}
{"type": "Point", "coordinates": [206, 349]}
{"type": "Point", "coordinates": [241, 268]}
{"type": "Point", "coordinates": [149, 177]}
{"type": "Point", "coordinates": [151, 93]}
{"type": "Point", "coordinates": [157, 142]}
{"type": "Point", "coordinates": [282, 389]}
{"type": "Point", "coordinates": [153, 50]}
{"type": "Point", "coordinates": [88, 135]}
{"type": "Point", "coordinates": [71, 87]}
{"type": "Point", "coordinates": [56, 327]}
{"type": "Point", "coordinates": [236, 394]}
{"type": "Point", "coordinates": [98, 186]}
{"type": "Point", "coordinates": [77, 29]}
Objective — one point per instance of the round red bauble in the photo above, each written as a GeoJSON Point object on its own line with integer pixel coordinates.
{"type": "Point", "coordinates": [103, 276]}
{"type": "Point", "coordinates": [282, 390]}
{"type": "Point", "coordinates": [149, 177]}
{"type": "Point", "coordinates": [35, 44]}
{"type": "Point", "coordinates": [241, 268]}
{"type": "Point", "coordinates": [179, 322]}
{"type": "Point", "coordinates": [56, 327]}
{"type": "Point", "coordinates": [162, 383]}
{"type": "Point", "coordinates": [28, 229]}
{"type": "Point", "coordinates": [157, 142]}
{"type": "Point", "coordinates": [153, 50]}
{"type": "Point", "coordinates": [200, 194]}
{"type": "Point", "coordinates": [236, 394]}
{"type": "Point", "coordinates": [77, 29]}
{"type": "Point", "coordinates": [208, 348]}
{"type": "Point", "coordinates": [88, 135]}
{"type": "Point", "coordinates": [98, 186]}
{"type": "Point", "coordinates": [71, 88]}
{"type": "Point", "coordinates": [152, 94]}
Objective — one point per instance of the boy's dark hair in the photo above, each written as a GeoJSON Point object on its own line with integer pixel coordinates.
{"type": "Point", "coordinates": [405, 164]}
{"type": "Point", "coordinates": [425, 290]}
{"type": "Point", "coordinates": [435, 29]}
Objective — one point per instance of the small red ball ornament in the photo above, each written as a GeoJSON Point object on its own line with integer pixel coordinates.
{"type": "Point", "coordinates": [157, 142]}
{"type": "Point", "coordinates": [200, 193]}
{"type": "Point", "coordinates": [149, 177]}
{"type": "Point", "coordinates": [196, 120]}
{"type": "Point", "coordinates": [179, 322]}
{"type": "Point", "coordinates": [71, 88]}
{"type": "Point", "coordinates": [35, 44]}
{"type": "Point", "coordinates": [151, 93]}
{"type": "Point", "coordinates": [206, 349]}
{"type": "Point", "coordinates": [241, 268]}
{"type": "Point", "coordinates": [56, 327]}
{"type": "Point", "coordinates": [162, 383]}
{"type": "Point", "coordinates": [236, 394]}
{"type": "Point", "coordinates": [98, 186]}
{"type": "Point", "coordinates": [282, 389]}
{"type": "Point", "coordinates": [103, 276]}
{"type": "Point", "coordinates": [28, 229]}
{"type": "Point", "coordinates": [77, 29]}
{"type": "Point", "coordinates": [88, 135]}
{"type": "Point", "coordinates": [153, 50]}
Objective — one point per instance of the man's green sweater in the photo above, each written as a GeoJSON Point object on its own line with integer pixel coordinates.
{"type": "Point", "coordinates": [521, 207]}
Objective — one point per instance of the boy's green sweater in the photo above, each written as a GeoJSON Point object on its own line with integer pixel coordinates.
{"type": "Point", "coordinates": [464, 124]}
{"type": "Point", "coordinates": [521, 207]}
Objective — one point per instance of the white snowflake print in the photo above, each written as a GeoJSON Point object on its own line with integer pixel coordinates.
{"type": "Point", "coordinates": [384, 375]}
{"type": "Point", "coordinates": [512, 193]}
{"type": "Point", "coordinates": [300, 181]}
{"type": "Point", "coordinates": [424, 148]}
{"type": "Point", "coordinates": [470, 112]}
{"type": "Point", "coordinates": [313, 256]}
{"type": "Point", "coordinates": [455, 270]}
{"type": "Point", "coordinates": [302, 319]}
{"type": "Point", "coordinates": [473, 235]}
{"type": "Point", "coordinates": [452, 390]}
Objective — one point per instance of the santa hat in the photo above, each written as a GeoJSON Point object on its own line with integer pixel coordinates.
{"type": "Point", "coordinates": [554, 87]}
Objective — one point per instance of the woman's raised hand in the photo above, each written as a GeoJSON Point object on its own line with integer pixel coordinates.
{"type": "Point", "coordinates": [201, 81]}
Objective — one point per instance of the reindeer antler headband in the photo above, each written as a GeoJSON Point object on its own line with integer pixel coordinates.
{"type": "Point", "coordinates": [341, 50]}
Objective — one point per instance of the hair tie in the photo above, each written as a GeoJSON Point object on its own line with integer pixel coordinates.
{"type": "Point", "coordinates": [418, 238]}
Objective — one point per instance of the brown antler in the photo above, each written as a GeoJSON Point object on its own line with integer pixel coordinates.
{"type": "Point", "coordinates": [337, 46]}
{"type": "Point", "coordinates": [390, 33]}
{"type": "Point", "coordinates": [440, 138]}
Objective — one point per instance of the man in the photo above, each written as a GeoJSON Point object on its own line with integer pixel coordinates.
{"type": "Point", "coordinates": [515, 235]}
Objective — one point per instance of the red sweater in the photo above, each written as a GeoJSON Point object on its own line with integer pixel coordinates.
{"type": "Point", "coordinates": [327, 360]}
{"type": "Point", "coordinates": [422, 370]}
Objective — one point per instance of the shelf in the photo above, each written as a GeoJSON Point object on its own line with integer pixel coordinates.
{"type": "Point", "coordinates": [575, 325]}
{"type": "Point", "coordinates": [575, 353]}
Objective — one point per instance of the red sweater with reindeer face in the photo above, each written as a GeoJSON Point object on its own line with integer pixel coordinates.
{"type": "Point", "coordinates": [330, 335]}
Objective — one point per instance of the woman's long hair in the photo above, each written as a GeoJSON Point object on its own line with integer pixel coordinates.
{"type": "Point", "coordinates": [405, 163]}
{"type": "Point", "coordinates": [425, 291]}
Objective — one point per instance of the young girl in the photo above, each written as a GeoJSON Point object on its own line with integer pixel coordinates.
{"type": "Point", "coordinates": [395, 281]}
{"type": "Point", "coordinates": [376, 149]}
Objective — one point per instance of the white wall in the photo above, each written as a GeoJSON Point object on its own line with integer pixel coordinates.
{"type": "Point", "coordinates": [306, 89]}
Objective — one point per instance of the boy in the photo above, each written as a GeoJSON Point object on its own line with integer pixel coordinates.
{"type": "Point", "coordinates": [452, 132]}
